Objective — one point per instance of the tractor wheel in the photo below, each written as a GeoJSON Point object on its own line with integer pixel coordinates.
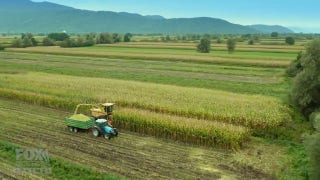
{"type": "Point", "coordinates": [75, 130]}
{"type": "Point", "coordinates": [70, 129]}
{"type": "Point", "coordinates": [95, 132]}
{"type": "Point", "coordinates": [115, 132]}
{"type": "Point", "coordinates": [106, 136]}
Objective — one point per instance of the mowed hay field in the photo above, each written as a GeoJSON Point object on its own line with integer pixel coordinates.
{"type": "Point", "coordinates": [164, 90]}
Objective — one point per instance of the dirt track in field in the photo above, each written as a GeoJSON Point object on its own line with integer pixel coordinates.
{"type": "Point", "coordinates": [129, 155]}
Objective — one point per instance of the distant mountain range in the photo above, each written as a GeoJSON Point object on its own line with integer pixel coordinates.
{"type": "Point", "coordinates": [269, 29]}
{"type": "Point", "coordinates": [17, 16]}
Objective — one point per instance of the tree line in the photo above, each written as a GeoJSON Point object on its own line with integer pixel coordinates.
{"type": "Point", "coordinates": [219, 38]}
{"type": "Point", "coordinates": [205, 40]}
{"type": "Point", "coordinates": [205, 45]}
{"type": "Point", "coordinates": [65, 40]}
{"type": "Point", "coordinates": [305, 95]}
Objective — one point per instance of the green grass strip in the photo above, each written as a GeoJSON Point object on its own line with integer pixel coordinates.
{"type": "Point", "coordinates": [60, 169]}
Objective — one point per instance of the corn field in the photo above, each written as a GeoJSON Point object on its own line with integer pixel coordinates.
{"type": "Point", "coordinates": [188, 130]}
{"type": "Point", "coordinates": [192, 115]}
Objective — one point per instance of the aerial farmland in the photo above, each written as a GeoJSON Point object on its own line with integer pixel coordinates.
{"type": "Point", "coordinates": [180, 113]}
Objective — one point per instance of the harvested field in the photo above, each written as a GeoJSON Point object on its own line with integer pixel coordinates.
{"type": "Point", "coordinates": [131, 155]}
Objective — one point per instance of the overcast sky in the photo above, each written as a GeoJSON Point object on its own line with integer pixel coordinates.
{"type": "Point", "coordinates": [300, 15]}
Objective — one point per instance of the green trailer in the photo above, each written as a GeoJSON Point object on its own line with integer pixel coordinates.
{"type": "Point", "coordinates": [79, 121]}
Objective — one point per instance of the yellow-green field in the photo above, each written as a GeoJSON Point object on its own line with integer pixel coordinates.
{"type": "Point", "coordinates": [168, 91]}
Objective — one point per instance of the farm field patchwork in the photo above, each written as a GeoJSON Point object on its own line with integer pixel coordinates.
{"type": "Point", "coordinates": [232, 78]}
{"type": "Point", "coordinates": [182, 100]}
{"type": "Point", "coordinates": [266, 59]}
{"type": "Point", "coordinates": [188, 102]}
{"type": "Point", "coordinates": [220, 47]}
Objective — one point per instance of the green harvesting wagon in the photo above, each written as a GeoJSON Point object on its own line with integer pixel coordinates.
{"type": "Point", "coordinates": [99, 121]}
{"type": "Point", "coordinates": [79, 121]}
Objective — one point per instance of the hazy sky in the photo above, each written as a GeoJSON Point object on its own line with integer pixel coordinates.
{"type": "Point", "coordinates": [300, 15]}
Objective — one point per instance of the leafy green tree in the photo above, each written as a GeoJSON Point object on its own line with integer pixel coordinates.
{"type": "Point", "coordinates": [204, 46]}
{"type": "Point", "coordinates": [290, 40]}
{"type": "Point", "coordinates": [58, 36]}
{"type": "Point", "coordinates": [313, 148]}
{"type": "Point", "coordinates": [80, 41]}
{"type": "Point", "coordinates": [83, 41]}
{"type": "Point", "coordinates": [48, 42]}
{"type": "Point", "coordinates": [274, 34]}
{"type": "Point", "coordinates": [251, 42]}
{"type": "Point", "coordinates": [167, 38]}
{"type": "Point", "coordinates": [305, 94]}
{"type": "Point", "coordinates": [2, 47]}
{"type": "Point", "coordinates": [104, 38]}
{"type": "Point", "coordinates": [231, 45]}
{"type": "Point", "coordinates": [127, 37]}
{"type": "Point", "coordinates": [116, 38]}
{"type": "Point", "coordinates": [23, 35]}
{"type": "Point", "coordinates": [90, 41]}
{"type": "Point", "coordinates": [295, 67]}
{"type": "Point", "coordinates": [306, 87]}
{"type": "Point", "coordinates": [26, 42]}
{"type": "Point", "coordinates": [68, 43]}
{"type": "Point", "coordinates": [312, 144]}
{"type": "Point", "coordinates": [32, 39]}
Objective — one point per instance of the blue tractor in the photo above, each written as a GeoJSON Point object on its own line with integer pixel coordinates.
{"type": "Point", "coordinates": [104, 128]}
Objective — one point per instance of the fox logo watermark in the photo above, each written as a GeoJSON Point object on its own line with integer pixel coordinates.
{"type": "Point", "coordinates": [32, 155]}
{"type": "Point", "coordinates": [36, 161]}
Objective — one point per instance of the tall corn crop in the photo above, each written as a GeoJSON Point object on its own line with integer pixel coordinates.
{"type": "Point", "coordinates": [252, 111]}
